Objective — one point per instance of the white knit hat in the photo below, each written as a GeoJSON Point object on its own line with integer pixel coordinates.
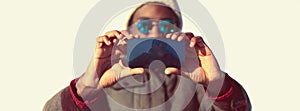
{"type": "Point", "coordinates": [170, 3]}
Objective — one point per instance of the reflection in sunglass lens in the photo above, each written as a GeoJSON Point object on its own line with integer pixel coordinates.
{"type": "Point", "coordinates": [143, 26]}
{"type": "Point", "coordinates": [165, 26]}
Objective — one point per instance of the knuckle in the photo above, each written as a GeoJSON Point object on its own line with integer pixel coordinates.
{"type": "Point", "coordinates": [116, 32]}
{"type": "Point", "coordinates": [103, 37]}
{"type": "Point", "coordinates": [123, 31]}
{"type": "Point", "coordinates": [193, 39]}
{"type": "Point", "coordinates": [182, 35]}
{"type": "Point", "coordinates": [110, 32]}
{"type": "Point", "coordinates": [100, 38]}
{"type": "Point", "coordinates": [107, 33]}
{"type": "Point", "coordinates": [189, 34]}
{"type": "Point", "coordinates": [199, 37]}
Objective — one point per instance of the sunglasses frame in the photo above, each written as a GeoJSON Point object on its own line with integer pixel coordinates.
{"type": "Point", "coordinates": [153, 22]}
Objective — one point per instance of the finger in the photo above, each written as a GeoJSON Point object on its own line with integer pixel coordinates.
{"type": "Point", "coordinates": [125, 33]}
{"type": "Point", "coordinates": [201, 47]}
{"type": "Point", "coordinates": [175, 36]}
{"type": "Point", "coordinates": [197, 41]}
{"type": "Point", "coordinates": [131, 71]}
{"type": "Point", "coordinates": [200, 42]}
{"type": "Point", "coordinates": [193, 41]}
{"type": "Point", "coordinates": [114, 33]}
{"type": "Point", "coordinates": [136, 36]}
{"type": "Point", "coordinates": [189, 34]}
{"type": "Point", "coordinates": [181, 37]}
{"type": "Point", "coordinates": [136, 71]}
{"type": "Point", "coordinates": [106, 40]}
{"type": "Point", "coordinates": [122, 41]}
{"type": "Point", "coordinates": [130, 36]}
{"type": "Point", "coordinates": [101, 40]}
{"type": "Point", "coordinates": [120, 35]}
{"type": "Point", "coordinates": [172, 70]}
{"type": "Point", "coordinates": [169, 35]}
{"type": "Point", "coordinates": [114, 41]}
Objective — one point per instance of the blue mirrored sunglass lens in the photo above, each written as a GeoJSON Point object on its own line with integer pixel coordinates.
{"type": "Point", "coordinates": [165, 26]}
{"type": "Point", "coordinates": [143, 26]}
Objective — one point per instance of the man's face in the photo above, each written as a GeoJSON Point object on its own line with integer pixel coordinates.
{"type": "Point", "coordinates": [154, 20]}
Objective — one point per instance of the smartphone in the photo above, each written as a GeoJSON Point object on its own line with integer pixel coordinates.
{"type": "Point", "coordinates": [142, 51]}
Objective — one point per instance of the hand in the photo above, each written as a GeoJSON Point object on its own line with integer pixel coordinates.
{"type": "Point", "coordinates": [101, 72]}
{"type": "Point", "coordinates": [208, 63]}
{"type": "Point", "coordinates": [201, 66]}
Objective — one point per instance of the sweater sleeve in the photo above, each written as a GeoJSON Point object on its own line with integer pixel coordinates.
{"type": "Point", "coordinates": [54, 104]}
{"type": "Point", "coordinates": [235, 98]}
{"type": "Point", "coordinates": [63, 101]}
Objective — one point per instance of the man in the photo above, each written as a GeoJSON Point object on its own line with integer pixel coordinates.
{"type": "Point", "coordinates": [108, 85]}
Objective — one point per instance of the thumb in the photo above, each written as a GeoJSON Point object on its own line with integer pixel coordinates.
{"type": "Point", "coordinates": [172, 70]}
{"type": "Point", "coordinates": [131, 71]}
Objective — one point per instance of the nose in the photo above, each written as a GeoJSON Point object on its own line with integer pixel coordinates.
{"type": "Point", "coordinates": [155, 32]}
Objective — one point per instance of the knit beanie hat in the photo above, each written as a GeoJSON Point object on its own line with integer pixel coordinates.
{"type": "Point", "coordinates": [169, 3]}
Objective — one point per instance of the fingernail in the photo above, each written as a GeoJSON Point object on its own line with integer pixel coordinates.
{"type": "Point", "coordinates": [136, 36]}
{"type": "Point", "coordinates": [180, 39]}
{"type": "Point", "coordinates": [115, 40]}
{"type": "Point", "coordinates": [122, 35]}
{"type": "Point", "coordinates": [168, 35]}
{"type": "Point", "coordinates": [167, 72]}
{"type": "Point", "coordinates": [192, 44]}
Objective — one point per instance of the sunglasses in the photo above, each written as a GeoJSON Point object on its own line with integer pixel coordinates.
{"type": "Point", "coordinates": [165, 26]}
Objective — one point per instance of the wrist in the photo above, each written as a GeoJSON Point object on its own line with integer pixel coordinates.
{"type": "Point", "coordinates": [219, 89]}
{"type": "Point", "coordinates": [79, 99]}
{"type": "Point", "coordinates": [75, 97]}
{"type": "Point", "coordinates": [86, 92]}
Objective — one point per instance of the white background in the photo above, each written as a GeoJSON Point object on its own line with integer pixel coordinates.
{"type": "Point", "coordinates": [260, 36]}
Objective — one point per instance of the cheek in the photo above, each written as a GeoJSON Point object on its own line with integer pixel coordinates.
{"type": "Point", "coordinates": [136, 33]}
{"type": "Point", "coordinates": [141, 35]}
{"type": "Point", "coordinates": [150, 35]}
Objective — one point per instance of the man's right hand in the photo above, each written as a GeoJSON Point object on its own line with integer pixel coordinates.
{"type": "Point", "coordinates": [101, 72]}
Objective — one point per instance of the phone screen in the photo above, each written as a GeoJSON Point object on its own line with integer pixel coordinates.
{"type": "Point", "coordinates": [142, 51]}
